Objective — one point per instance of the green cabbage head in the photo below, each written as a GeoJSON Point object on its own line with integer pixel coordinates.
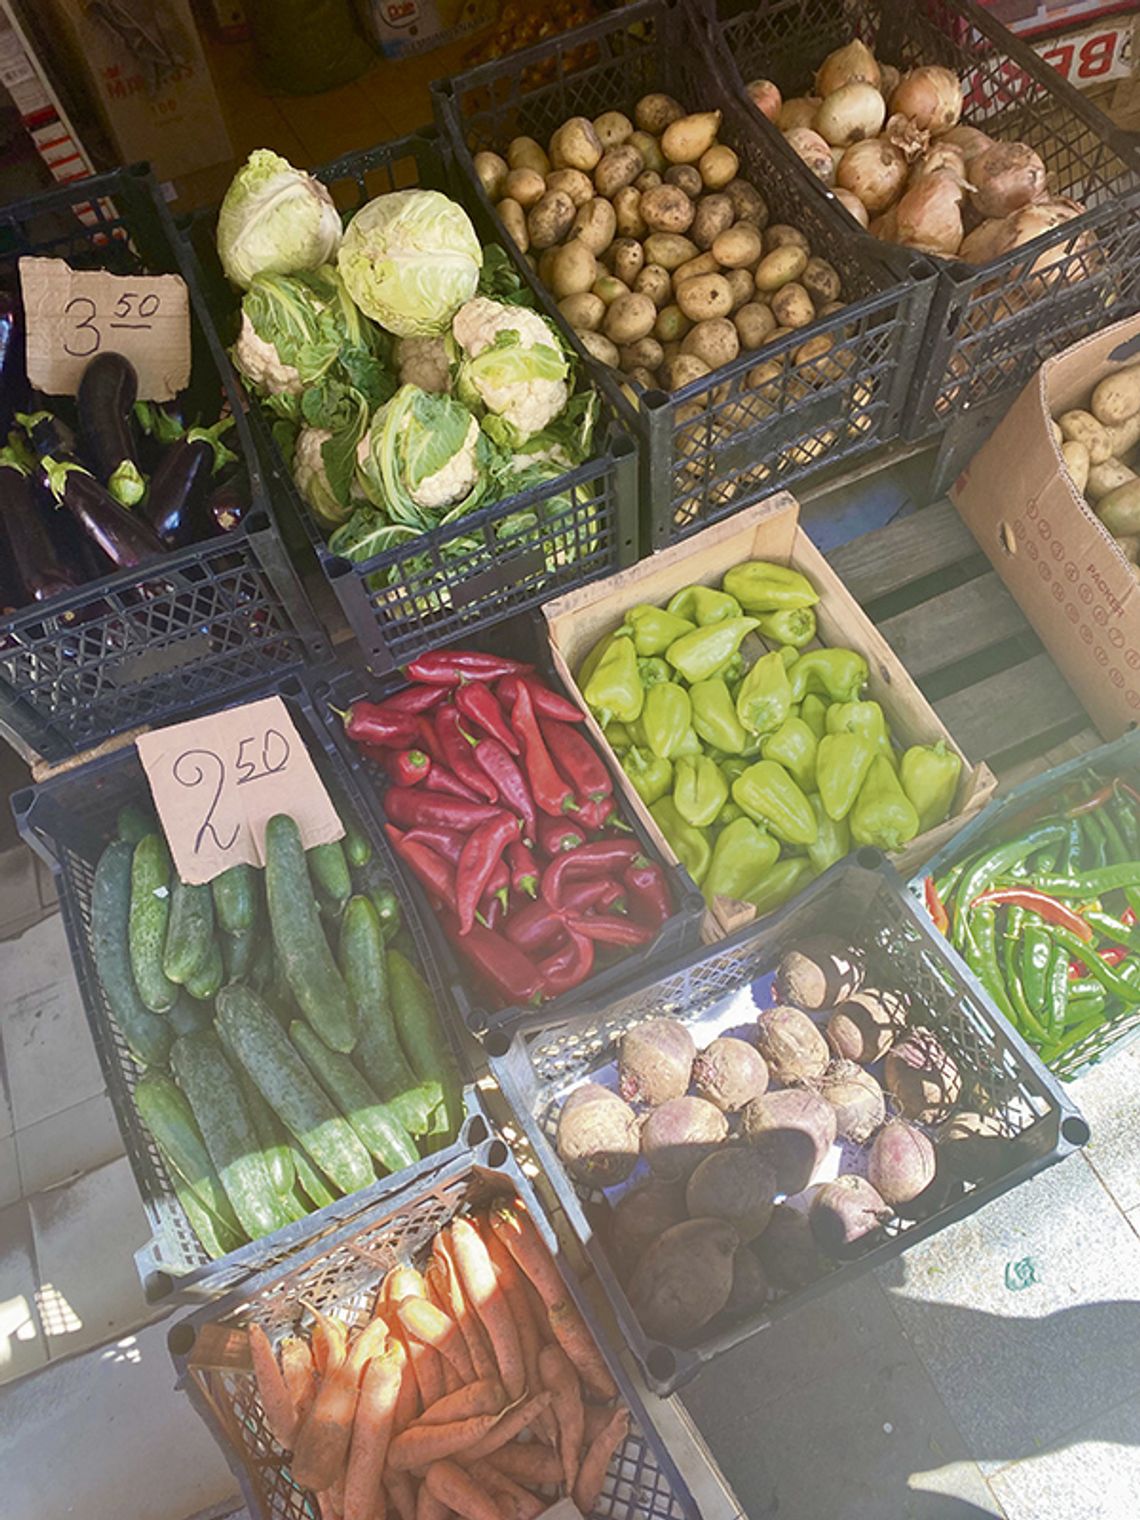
{"type": "Point", "coordinates": [275, 220]}
{"type": "Point", "coordinates": [410, 259]}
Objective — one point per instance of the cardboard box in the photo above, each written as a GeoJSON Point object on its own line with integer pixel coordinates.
{"type": "Point", "coordinates": [769, 531]}
{"type": "Point", "coordinates": [1062, 566]}
{"type": "Point", "coordinates": [401, 27]}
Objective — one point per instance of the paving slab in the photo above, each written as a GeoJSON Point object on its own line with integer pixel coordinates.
{"type": "Point", "coordinates": [1107, 1098]}
{"type": "Point", "coordinates": [22, 1344]}
{"type": "Point", "coordinates": [64, 1145]}
{"type": "Point", "coordinates": [10, 1189]}
{"type": "Point", "coordinates": [1095, 1476]}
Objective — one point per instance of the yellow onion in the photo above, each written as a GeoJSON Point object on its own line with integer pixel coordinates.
{"type": "Point", "coordinates": [929, 216]}
{"type": "Point", "coordinates": [985, 242]}
{"type": "Point", "coordinates": [971, 140]}
{"type": "Point", "coordinates": [908, 138]}
{"type": "Point", "coordinates": [889, 77]}
{"type": "Point", "coordinates": [851, 203]}
{"type": "Point", "coordinates": [885, 227]}
{"type": "Point", "coordinates": [930, 96]}
{"type": "Point", "coordinates": [852, 64]}
{"type": "Point", "coordinates": [1006, 177]}
{"type": "Point", "coordinates": [850, 114]}
{"type": "Point", "coordinates": [875, 171]}
{"type": "Point", "coordinates": [816, 153]}
{"type": "Point", "coordinates": [799, 111]}
{"type": "Point", "coordinates": [766, 97]}
{"type": "Point", "coordinates": [942, 156]}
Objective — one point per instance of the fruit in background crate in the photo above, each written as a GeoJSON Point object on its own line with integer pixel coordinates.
{"type": "Point", "coordinates": [902, 1162]}
{"type": "Point", "coordinates": [598, 1136]}
{"type": "Point", "coordinates": [655, 1061]}
{"type": "Point", "coordinates": [678, 1135]}
{"type": "Point", "coordinates": [922, 1077]}
{"type": "Point", "coordinates": [684, 1278]}
{"type": "Point", "coordinates": [845, 1212]}
{"type": "Point", "coordinates": [1098, 449]}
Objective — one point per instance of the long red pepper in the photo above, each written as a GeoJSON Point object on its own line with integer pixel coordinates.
{"type": "Point", "coordinates": [601, 894]}
{"type": "Point", "coordinates": [432, 870]}
{"type": "Point", "coordinates": [481, 853]}
{"type": "Point", "coordinates": [448, 667]}
{"type": "Point", "coordinates": [577, 759]}
{"type": "Point", "coordinates": [568, 967]}
{"type": "Point", "coordinates": [552, 794]}
{"type": "Point", "coordinates": [477, 702]}
{"type": "Point", "coordinates": [545, 701]}
{"type": "Point", "coordinates": [523, 868]}
{"type": "Point", "coordinates": [509, 781]}
{"type": "Point", "coordinates": [599, 859]}
{"type": "Point", "coordinates": [366, 723]}
{"type": "Point", "coordinates": [538, 924]}
{"type": "Point", "coordinates": [935, 906]}
{"type": "Point", "coordinates": [449, 844]}
{"type": "Point", "coordinates": [413, 699]}
{"type": "Point", "coordinates": [493, 910]}
{"type": "Point", "coordinates": [457, 753]}
{"type": "Point", "coordinates": [406, 767]}
{"type": "Point", "coordinates": [427, 738]}
{"type": "Point", "coordinates": [596, 816]}
{"type": "Point", "coordinates": [1091, 803]}
{"type": "Point", "coordinates": [608, 929]}
{"type": "Point", "coordinates": [1051, 909]}
{"type": "Point", "coordinates": [502, 965]}
{"type": "Point", "coordinates": [443, 780]}
{"type": "Point", "coordinates": [558, 834]}
{"type": "Point", "coordinates": [650, 901]}
{"type": "Point", "coordinates": [411, 807]}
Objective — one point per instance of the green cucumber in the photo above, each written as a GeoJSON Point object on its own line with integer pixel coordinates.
{"type": "Point", "coordinates": [309, 1180]}
{"type": "Point", "coordinates": [134, 823]}
{"type": "Point", "coordinates": [189, 932]}
{"type": "Point", "coordinates": [150, 913]}
{"type": "Point", "coordinates": [364, 963]}
{"type": "Point", "coordinates": [166, 1112]}
{"type": "Point", "coordinates": [290, 1089]}
{"type": "Point", "coordinates": [271, 1134]}
{"type": "Point", "coordinates": [372, 881]}
{"type": "Point", "coordinates": [212, 1086]}
{"type": "Point", "coordinates": [357, 846]}
{"type": "Point", "coordinates": [213, 1236]}
{"type": "Point", "coordinates": [187, 1016]}
{"type": "Point", "coordinates": [148, 1036]}
{"type": "Point", "coordinates": [386, 1140]}
{"type": "Point", "coordinates": [425, 1044]}
{"type": "Point", "coordinates": [207, 978]}
{"type": "Point", "coordinates": [328, 867]}
{"type": "Point", "coordinates": [300, 938]}
{"type": "Point", "coordinates": [239, 952]}
{"type": "Point", "coordinates": [235, 898]}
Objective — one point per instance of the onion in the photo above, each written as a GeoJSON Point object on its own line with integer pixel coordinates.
{"type": "Point", "coordinates": [985, 242]}
{"type": "Point", "coordinates": [969, 139]}
{"type": "Point", "coordinates": [929, 216]}
{"type": "Point", "coordinates": [852, 64]}
{"type": "Point", "coordinates": [942, 156]}
{"type": "Point", "coordinates": [850, 114]}
{"type": "Point", "coordinates": [811, 147]}
{"type": "Point", "coordinates": [875, 171]}
{"type": "Point", "coordinates": [798, 112]}
{"type": "Point", "coordinates": [908, 138]}
{"type": "Point", "coordinates": [888, 80]}
{"type": "Point", "coordinates": [930, 96]}
{"type": "Point", "coordinates": [851, 202]}
{"type": "Point", "coordinates": [765, 96]}
{"type": "Point", "coordinates": [1006, 177]}
{"type": "Point", "coordinates": [885, 227]}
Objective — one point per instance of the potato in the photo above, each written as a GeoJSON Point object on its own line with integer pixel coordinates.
{"type": "Point", "coordinates": [792, 306]}
{"type": "Point", "coordinates": [671, 326]}
{"type": "Point", "coordinates": [670, 350]}
{"type": "Point", "coordinates": [683, 370]}
{"type": "Point", "coordinates": [1124, 436]}
{"type": "Point", "coordinates": [650, 149]}
{"type": "Point", "coordinates": [550, 219]}
{"type": "Point", "coordinates": [573, 269]}
{"type": "Point", "coordinates": [738, 248]}
{"type": "Point", "coordinates": [1119, 510]}
{"type": "Point", "coordinates": [1076, 458]}
{"type": "Point", "coordinates": [514, 220]}
{"type": "Point", "coordinates": [1084, 427]}
{"type": "Point", "coordinates": [617, 168]}
{"type": "Point", "coordinates": [525, 153]}
{"type": "Point", "coordinates": [609, 287]}
{"type": "Point", "coordinates": [814, 353]}
{"type": "Point", "coordinates": [1055, 429]}
{"type": "Point", "coordinates": [648, 179]}
{"type": "Point", "coordinates": [718, 166]}
{"type": "Point", "coordinates": [667, 209]}
{"type": "Point", "coordinates": [747, 203]}
{"type": "Point", "coordinates": [704, 296]}
{"type": "Point", "coordinates": [545, 266]}
{"type": "Point", "coordinates": [646, 353]}
{"type": "Point", "coordinates": [1129, 546]}
{"type": "Point", "coordinates": [654, 282]}
{"type": "Point", "coordinates": [686, 177]}
{"type": "Point", "coordinates": [763, 374]}
{"type": "Point", "coordinates": [653, 113]}
{"type": "Point", "coordinates": [831, 308]}
{"type": "Point", "coordinates": [821, 281]}
{"type": "Point", "coordinates": [780, 267]}
{"type": "Point", "coordinates": [600, 347]}
{"type": "Point", "coordinates": [572, 182]}
{"type": "Point", "coordinates": [714, 215]}
{"type": "Point", "coordinates": [584, 311]}
{"type": "Point", "coordinates": [1117, 397]}
{"type": "Point", "coordinates": [754, 323]}
{"type": "Point", "coordinates": [595, 224]}
{"type": "Point", "coordinates": [780, 235]}
{"type": "Point", "coordinates": [613, 128]}
{"type": "Point", "coordinates": [628, 318]}
{"type": "Point", "coordinates": [526, 186]}
{"type": "Point", "coordinates": [669, 249]}
{"type": "Point", "coordinates": [741, 284]}
{"type": "Point", "coordinates": [626, 257]}
{"type": "Point", "coordinates": [716, 341]}
{"type": "Point", "coordinates": [704, 263]}
{"type": "Point", "coordinates": [492, 171]}
{"type": "Point", "coordinates": [627, 213]}
{"type": "Point", "coordinates": [1103, 478]}
{"type": "Point", "coordinates": [684, 140]}
{"type": "Point", "coordinates": [576, 145]}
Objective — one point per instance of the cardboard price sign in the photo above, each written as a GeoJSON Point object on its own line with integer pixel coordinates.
{"type": "Point", "coordinates": [217, 781]}
{"type": "Point", "coordinates": [73, 314]}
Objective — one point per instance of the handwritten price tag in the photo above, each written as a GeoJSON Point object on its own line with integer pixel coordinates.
{"type": "Point", "coordinates": [217, 781]}
{"type": "Point", "coordinates": [74, 314]}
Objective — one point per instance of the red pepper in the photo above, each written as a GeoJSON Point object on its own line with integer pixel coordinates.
{"type": "Point", "coordinates": [608, 929]}
{"type": "Point", "coordinates": [367, 723]}
{"type": "Point", "coordinates": [492, 758]}
{"type": "Point", "coordinates": [550, 792]}
{"type": "Point", "coordinates": [650, 901]}
{"type": "Point", "coordinates": [599, 859]}
{"type": "Point", "coordinates": [545, 701]}
{"type": "Point", "coordinates": [457, 753]}
{"type": "Point", "coordinates": [443, 780]}
{"type": "Point", "coordinates": [602, 893]}
{"type": "Point", "coordinates": [597, 816]}
{"type": "Point", "coordinates": [435, 873]}
{"type": "Point", "coordinates": [406, 767]}
{"type": "Point", "coordinates": [481, 853]}
{"type": "Point", "coordinates": [1112, 955]}
{"type": "Point", "coordinates": [1129, 791]}
{"type": "Point", "coordinates": [1077, 969]}
{"type": "Point", "coordinates": [524, 868]}
{"type": "Point", "coordinates": [556, 835]}
{"type": "Point", "coordinates": [577, 759]}
{"type": "Point", "coordinates": [935, 906]}
{"type": "Point", "coordinates": [415, 807]}
{"type": "Point", "coordinates": [1051, 909]}
{"type": "Point", "coordinates": [476, 701]}
{"type": "Point", "coordinates": [502, 965]}
{"type": "Point", "coordinates": [448, 667]}
{"type": "Point", "coordinates": [446, 842]}
{"type": "Point", "coordinates": [1090, 804]}
{"type": "Point", "coordinates": [1128, 917]}
{"type": "Point", "coordinates": [492, 910]}
{"type": "Point", "coordinates": [414, 699]}
{"type": "Point", "coordinates": [428, 739]}
{"type": "Point", "coordinates": [568, 967]}
{"type": "Point", "coordinates": [534, 927]}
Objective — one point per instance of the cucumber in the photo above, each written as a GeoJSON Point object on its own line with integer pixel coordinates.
{"type": "Point", "coordinates": [148, 1035]}
{"type": "Point", "coordinates": [309, 1180]}
{"type": "Point", "coordinates": [328, 867]}
{"type": "Point", "coordinates": [289, 1088]}
{"type": "Point", "coordinates": [187, 1016]}
{"type": "Point", "coordinates": [213, 1237]}
{"type": "Point", "coordinates": [357, 846]}
{"type": "Point", "coordinates": [236, 897]}
{"type": "Point", "coordinates": [300, 939]}
{"type": "Point", "coordinates": [271, 1134]}
{"type": "Point", "coordinates": [189, 932]}
{"type": "Point", "coordinates": [207, 978]}
{"type": "Point", "coordinates": [150, 913]}
{"type": "Point", "coordinates": [239, 952]}
{"type": "Point", "coordinates": [425, 1044]}
{"type": "Point", "coordinates": [134, 823]}
{"type": "Point", "coordinates": [165, 1110]}
{"type": "Point", "coordinates": [378, 1053]}
{"type": "Point", "coordinates": [383, 1135]}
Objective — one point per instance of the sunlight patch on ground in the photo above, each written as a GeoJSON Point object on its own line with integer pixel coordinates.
{"type": "Point", "coordinates": [16, 1323]}
{"type": "Point", "coordinates": [56, 1314]}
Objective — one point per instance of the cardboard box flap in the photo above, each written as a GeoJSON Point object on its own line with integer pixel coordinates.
{"type": "Point", "coordinates": [1065, 378]}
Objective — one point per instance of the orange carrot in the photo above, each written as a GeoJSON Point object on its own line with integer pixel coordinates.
{"type": "Point", "coordinates": [512, 1499]}
{"type": "Point", "coordinates": [596, 1462]}
{"type": "Point", "coordinates": [276, 1400]}
{"type": "Point", "coordinates": [434, 1328]}
{"type": "Point", "coordinates": [321, 1447]}
{"type": "Point", "coordinates": [401, 1282]}
{"type": "Point", "coordinates": [482, 1289]}
{"type": "Point", "coordinates": [577, 1340]}
{"type": "Point", "coordinates": [408, 1398]}
{"type": "Point", "coordinates": [328, 1339]}
{"type": "Point", "coordinates": [559, 1377]}
{"type": "Point", "coordinates": [509, 1425]}
{"type": "Point", "coordinates": [451, 1379]}
{"type": "Point", "coordinates": [447, 1482]}
{"type": "Point", "coordinates": [326, 1503]}
{"type": "Point", "coordinates": [428, 1506]}
{"type": "Point", "coordinates": [427, 1364]}
{"type": "Point", "coordinates": [485, 1396]}
{"type": "Point", "coordinates": [400, 1489]}
{"type": "Point", "coordinates": [421, 1444]}
{"type": "Point", "coordinates": [459, 1305]}
{"type": "Point", "coordinates": [372, 1432]}
{"type": "Point", "coordinates": [532, 1464]}
{"type": "Point", "coordinates": [598, 1416]}
{"type": "Point", "coordinates": [514, 1285]}
{"type": "Point", "coordinates": [299, 1373]}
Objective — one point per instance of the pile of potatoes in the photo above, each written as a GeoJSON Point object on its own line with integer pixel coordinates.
{"type": "Point", "coordinates": [660, 254]}
{"type": "Point", "coordinates": [1096, 446]}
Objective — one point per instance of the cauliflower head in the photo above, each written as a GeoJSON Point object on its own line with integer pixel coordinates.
{"type": "Point", "coordinates": [512, 365]}
{"type": "Point", "coordinates": [455, 480]}
{"type": "Point", "coordinates": [424, 362]}
{"type": "Point", "coordinates": [311, 476]}
{"type": "Point", "coordinates": [261, 364]}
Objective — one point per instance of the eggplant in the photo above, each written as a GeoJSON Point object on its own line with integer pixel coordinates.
{"type": "Point", "coordinates": [41, 574]}
{"type": "Point", "coordinates": [108, 389]}
{"type": "Point", "coordinates": [181, 480]}
{"type": "Point", "coordinates": [49, 434]}
{"type": "Point", "coordinates": [13, 361]}
{"type": "Point", "coordinates": [124, 537]}
{"type": "Point", "coordinates": [156, 428]}
{"type": "Point", "coordinates": [227, 504]}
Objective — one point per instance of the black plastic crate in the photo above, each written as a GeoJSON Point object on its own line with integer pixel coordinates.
{"type": "Point", "coordinates": [452, 581]}
{"type": "Point", "coordinates": [861, 897]}
{"type": "Point", "coordinates": [340, 1276]}
{"type": "Point", "coordinates": [68, 820]}
{"type": "Point", "coordinates": [717, 444]}
{"type": "Point", "coordinates": [991, 325]}
{"type": "Point", "coordinates": [192, 627]}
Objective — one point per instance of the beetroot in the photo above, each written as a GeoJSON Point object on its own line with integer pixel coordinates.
{"type": "Point", "coordinates": [901, 1164]}
{"type": "Point", "coordinates": [642, 1214]}
{"type": "Point", "coordinates": [922, 1077]}
{"type": "Point", "coordinates": [655, 1060]}
{"type": "Point", "coordinates": [730, 1073]}
{"type": "Point", "coordinates": [787, 1251]}
{"type": "Point", "coordinates": [736, 1184]}
{"type": "Point", "coordinates": [749, 1284]}
{"type": "Point", "coordinates": [974, 1147]}
{"type": "Point", "coordinates": [792, 1130]}
{"type": "Point", "coordinates": [677, 1137]}
{"type": "Point", "coordinates": [791, 1045]}
{"type": "Point", "coordinates": [865, 1025]}
{"type": "Point", "coordinates": [684, 1278]}
{"type": "Point", "coordinates": [820, 973]}
{"type": "Point", "coordinates": [845, 1212]}
{"type": "Point", "coordinates": [597, 1138]}
{"type": "Point", "coordinates": [857, 1099]}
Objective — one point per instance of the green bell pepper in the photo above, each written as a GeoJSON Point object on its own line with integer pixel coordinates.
{"type": "Point", "coordinates": [866, 718]}
{"type": "Point", "coordinates": [742, 852]}
{"type": "Point", "coordinates": [779, 882]}
{"type": "Point", "coordinates": [614, 690]}
{"type": "Point", "coordinates": [699, 790]}
{"type": "Point", "coordinates": [653, 670]}
{"type": "Point", "coordinates": [666, 717]}
{"type": "Point", "coordinates": [703, 605]}
{"type": "Point", "coordinates": [732, 673]}
{"type": "Point", "coordinates": [594, 658]}
{"type": "Point", "coordinates": [883, 815]}
{"type": "Point", "coordinates": [813, 710]}
{"type": "Point", "coordinates": [701, 654]}
{"type": "Point", "coordinates": [689, 845]}
{"type": "Point", "coordinates": [833, 840]}
{"type": "Point", "coordinates": [760, 586]}
{"type": "Point", "coordinates": [729, 813]}
{"type": "Point", "coordinates": [794, 626]}
{"type": "Point", "coordinates": [839, 674]}
{"type": "Point", "coordinates": [650, 775]}
{"type": "Point", "coordinates": [929, 775]}
{"type": "Point", "coordinates": [617, 736]}
{"type": "Point", "coordinates": [841, 765]}
{"type": "Point", "coordinates": [794, 746]}
{"type": "Point", "coordinates": [714, 716]}
{"type": "Point", "coordinates": [690, 744]}
{"type": "Point", "coordinates": [769, 795]}
{"type": "Point", "coordinates": [654, 629]}
{"type": "Point", "coordinates": [765, 697]}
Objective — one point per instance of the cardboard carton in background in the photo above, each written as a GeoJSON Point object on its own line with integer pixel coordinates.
{"type": "Point", "coordinates": [1044, 540]}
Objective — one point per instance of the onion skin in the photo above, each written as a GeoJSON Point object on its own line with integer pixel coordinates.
{"type": "Point", "coordinates": [799, 111]}
{"type": "Point", "coordinates": [814, 151]}
{"type": "Point", "coordinates": [853, 205]}
{"type": "Point", "coordinates": [1006, 177]}
{"type": "Point", "coordinates": [930, 96]}
{"type": "Point", "coordinates": [985, 242]}
{"type": "Point", "coordinates": [875, 171]}
{"type": "Point", "coordinates": [929, 216]}
{"type": "Point", "coordinates": [766, 97]}
{"type": "Point", "coordinates": [852, 64]}
{"type": "Point", "coordinates": [971, 140]}
{"type": "Point", "coordinates": [851, 114]}
{"type": "Point", "coordinates": [885, 227]}
{"type": "Point", "coordinates": [942, 156]}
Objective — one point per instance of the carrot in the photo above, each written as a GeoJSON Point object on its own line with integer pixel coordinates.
{"type": "Point", "coordinates": [458, 1304]}
{"type": "Point", "coordinates": [321, 1447]}
{"type": "Point", "coordinates": [328, 1339]}
{"type": "Point", "coordinates": [576, 1338]}
{"type": "Point", "coordinates": [559, 1377]}
{"type": "Point", "coordinates": [276, 1400]}
{"type": "Point", "coordinates": [401, 1282]}
{"type": "Point", "coordinates": [299, 1373]}
{"type": "Point", "coordinates": [598, 1416]}
{"type": "Point", "coordinates": [512, 1499]}
{"type": "Point", "coordinates": [534, 1465]}
{"type": "Point", "coordinates": [436, 1329]}
{"type": "Point", "coordinates": [447, 1482]}
{"type": "Point", "coordinates": [481, 1288]}
{"type": "Point", "coordinates": [427, 1364]}
{"type": "Point", "coordinates": [399, 1488]}
{"type": "Point", "coordinates": [326, 1503]}
{"type": "Point", "coordinates": [371, 1432]}
{"type": "Point", "coordinates": [486, 1396]}
{"type": "Point", "coordinates": [514, 1285]}
{"type": "Point", "coordinates": [596, 1462]}
{"type": "Point", "coordinates": [509, 1425]}
{"type": "Point", "coordinates": [408, 1398]}
{"type": "Point", "coordinates": [428, 1506]}
{"type": "Point", "coordinates": [452, 1382]}
{"type": "Point", "coordinates": [335, 1497]}
{"type": "Point", "coordinates": [421, 1444]}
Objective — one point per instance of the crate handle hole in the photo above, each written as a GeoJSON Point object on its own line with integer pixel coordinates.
{"type": "Point", "coordinates": [1075, 1130]}
{"type": "Point", "coordinates": [497, 1045]}
{"type": "Point", "coordinates": [180, 1340]}
{"type": "Point", "coordinates": [476, 1131]}
{"type": "Point", "coordinates": [497, 1153]}
{"type": "Point", "coordinates": [869, 859]}
{"type": "Point", "coordinates": [662, 1363]}
{"type": "Point", "coordinates": [158, 1285]}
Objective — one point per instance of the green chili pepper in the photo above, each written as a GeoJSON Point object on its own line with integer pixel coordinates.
{"type": "Point", "coordinates": [653, 671]}
{"type": "Point", "coordinates": [666, 718]}
{"type": "Point", "coordinates": [794, 746]}
{"type": "Point", "coordinates": [614, 690]}
{"type": "Point", "coordinates": [929, 774]}
{"type": "Point", "coordinates": [1057, 991]}
{"type": "Point", "coordinates": [655, 628]}
{"type": "Point", "coordinates": [813, 710]}
{"type": "Point", "coordinates": [1080, 1033]}
{"type": "Point", "coordinates": [794, 626]}
{"type": "Point", "coordinates": [760, 586]}
{"type": "Point", "coordinates": [1112, 982]}
{"type": "Point", "coordinates": [1117, 850]}
{"type": "Point", "coordinates": [699, 790]}
{"type": "Point", "coordinates": [839, 674]}
{"type": "Point", "coordinates": [714, 716]}
{"type": "Point", "coordinates": [833, 839]}
{"type": "Point", "coordinates": [983, 923]}
{"type": "Point", "coordinates": [689, 845]}
{"type": "Point", "coordinates": [883, 815]}
{"type": "Point", "coordinates": [1128, 823]}
{"type": "Point", "coordinates": [991, 864]}
{"type": "Point", "coordinates": [1092, 883]}
{"type": "Point", "coordinates": [1111, 928]}
{"type": "Point", "coordinates": [1036, 953]}
{"type": "Point", "coordinates": [769, 795]}
{"type": "Point", "coordinates": [1024, 1016]}
{"type": "Point", "coordinates": [765, 698]}
{"type": "Point", "coordinates": [701, 654]}
{"type": "Point", "coordinates": [842, 763]}
{"type": "Point", "coordinates": [650, 775]}
{"type": "Point", "coordinates": [703, 606]}
{"type": "Point", "coordinates": [1096, 844]}
{"type": "Point", "coordinates": [742, 853]}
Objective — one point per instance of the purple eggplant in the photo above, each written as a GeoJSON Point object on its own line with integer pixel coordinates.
{"type": "Point", "coordinates": [39, 570]}
{"type": "Point", "coordinates": [49, 434]}
{"type": "Point", "coordinates": [181, 481]}
{"type": "Point", "coordinates": [13, 362]}
{"type": "Point", "coordinates": [108, 389]}
{"type": "Point", "coordinates": [124, 537]}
